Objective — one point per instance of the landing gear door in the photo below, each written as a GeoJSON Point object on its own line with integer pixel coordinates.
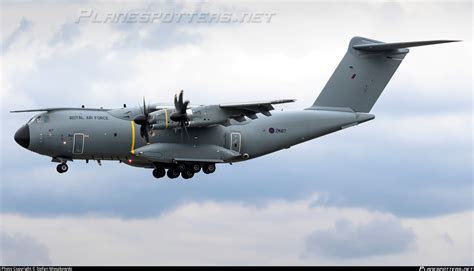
{"type": "Point", "coordinates": [235, 141]}
{"type": "Point", "coordinates": [78, 143]}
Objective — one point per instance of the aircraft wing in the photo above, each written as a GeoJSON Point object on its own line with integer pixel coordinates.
{"type": "Point", "coordinates": [250, 109]}
{"type": "Point", "coordinates": [58, 109]}
{"type": "Point", "coordinates": [159, 106]}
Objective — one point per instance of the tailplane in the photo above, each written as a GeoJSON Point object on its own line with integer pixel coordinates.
{"type": "Point", "coordinates": [363, 73]}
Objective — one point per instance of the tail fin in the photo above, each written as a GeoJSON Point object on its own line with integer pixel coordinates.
{"type": "Point", "coordinates": [363, 73]}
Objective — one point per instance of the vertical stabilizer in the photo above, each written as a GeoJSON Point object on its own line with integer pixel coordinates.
{"type": "Point", "coordinates": [363, 73]}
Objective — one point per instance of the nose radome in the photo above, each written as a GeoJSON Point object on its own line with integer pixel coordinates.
{"type": "Point", "coordinates": [22, 136]}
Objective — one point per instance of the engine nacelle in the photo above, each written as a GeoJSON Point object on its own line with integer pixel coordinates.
{"type": "Point", "coordinates": [200, 116]}
{"type": "Point", "coordinates": [161, 120]}
{"type": "Point", "coordinates": [203, 116]}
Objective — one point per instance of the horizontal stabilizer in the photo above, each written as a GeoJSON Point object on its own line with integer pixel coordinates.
{"type": "Point", "coordinates": [379, 47]}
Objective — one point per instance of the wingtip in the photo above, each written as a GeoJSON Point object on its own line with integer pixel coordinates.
{"type": "Point", "coordinates": [446, 41]}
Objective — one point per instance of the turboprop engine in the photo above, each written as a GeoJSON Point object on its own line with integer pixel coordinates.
{"type": "Point", "coordinates": [161, 120]}
{"type": "Point", "coordinates": [182, 116]}
{"type": "Point", "coordinates": [200, 116]}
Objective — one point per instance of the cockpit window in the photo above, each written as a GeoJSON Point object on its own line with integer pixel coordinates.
{"type": "Point", "coordinates": [39, 118]}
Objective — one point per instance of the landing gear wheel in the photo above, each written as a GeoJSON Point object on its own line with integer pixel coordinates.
{"type": "Point", "coordinates": [196, 167]}
{"type": "Point", "coordinates": [172, 173]}
{"type": "Point", "coordinates": [187, 174]}
{"type": "Point", "coordinates": [181, 167]}
{"type": "Point", "coordinates": [159, 172]}
{"type": "Point", "coordinates": [209, 168]}
{"type": "Point", "coordinates": [61, 168]}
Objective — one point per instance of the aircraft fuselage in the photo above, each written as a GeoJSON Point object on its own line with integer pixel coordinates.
{"type": "Point", "coordinates": [99, 135]}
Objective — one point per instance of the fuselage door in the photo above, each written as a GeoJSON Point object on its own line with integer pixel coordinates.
{"type": "Point", "coordinates": [78, 143]}
{"type": "Point", "coordinates": [235, 141]}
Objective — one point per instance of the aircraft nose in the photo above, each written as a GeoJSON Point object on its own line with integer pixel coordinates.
{"type": "Point", "coordinates": [22, 136]}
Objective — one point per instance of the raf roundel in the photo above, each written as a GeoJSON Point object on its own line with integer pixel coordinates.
{"type": "Point", "coordinates": [271, 130]}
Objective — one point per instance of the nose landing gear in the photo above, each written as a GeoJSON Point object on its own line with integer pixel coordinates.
{"type": "Point", "coordinates": [61, 168]}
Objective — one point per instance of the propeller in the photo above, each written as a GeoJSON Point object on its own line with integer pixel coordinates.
{"type": "Point", "coordinates": [142, 120]}
{"type": "Point", "coordinates": [180, 115]}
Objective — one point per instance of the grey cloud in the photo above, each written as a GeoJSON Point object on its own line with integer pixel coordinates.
{"type": "Point", "coordinates": [22, 250]}
{"type": "Point", "coordinates": [159, 37]}
{"type": "Point", "coordinates": [118, 190]}
{"type": "Point", "coordinates": [24, 26]}
{"type": "Point", "coordinates": [446, 237]}
{"type": "Point", "coordinates": [65, 34]}
{"type": "Point", "coordinates": [400, 104]}
{"type": "Point", "coordinates": [165, 34]}
{"type": "Point", "coordinates": [156, 35]}
{"type": "Point", "coordinates": [65, 77]}
{"type": "Point", "coordinates": [347, 240]}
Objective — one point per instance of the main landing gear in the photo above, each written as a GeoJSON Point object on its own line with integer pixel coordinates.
{"type": "Point", "coordinates": [209, 168]}
{"type": "Point", "coordinates": [61, 168]}
{"type": "Point", "coordinates": [173, 173]}
{"type": "Point", "coordinates": [159, 172]}
{"type": "Point", "coordinates": [186, 170]}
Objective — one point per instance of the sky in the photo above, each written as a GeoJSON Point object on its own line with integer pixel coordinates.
{"type": "Point", "coordinates": [395, 190]}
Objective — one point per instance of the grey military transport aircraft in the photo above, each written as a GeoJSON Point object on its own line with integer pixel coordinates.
{"type": "Point", "coordinates": [182, 140]}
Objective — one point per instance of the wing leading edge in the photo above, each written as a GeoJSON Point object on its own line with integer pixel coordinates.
{"type": "Point", "coordinates": [58, 109]}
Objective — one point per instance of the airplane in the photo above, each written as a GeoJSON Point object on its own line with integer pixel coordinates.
{"type": "Point", "coordinates": [181, 140]}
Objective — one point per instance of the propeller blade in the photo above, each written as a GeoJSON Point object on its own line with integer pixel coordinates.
{"type": "Point", "coordinates": [180, 101]}
{"type": "Point", "coordinates": [144, 132]}
{"type": "Point", "coordinates": [145, 109]}
{"type": "Point", "coordinates": [147, 137]}
{"type": "Point", "coordinates": [176, 105]}
{"type": "Point", "coordinates": [142, 120]}
{"type": "Point", "coordinates": [185, 107]}
{"type": "Point", "coordinates": [180, 115]}
{"type": "Point", "coordinates": [186, 130]}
